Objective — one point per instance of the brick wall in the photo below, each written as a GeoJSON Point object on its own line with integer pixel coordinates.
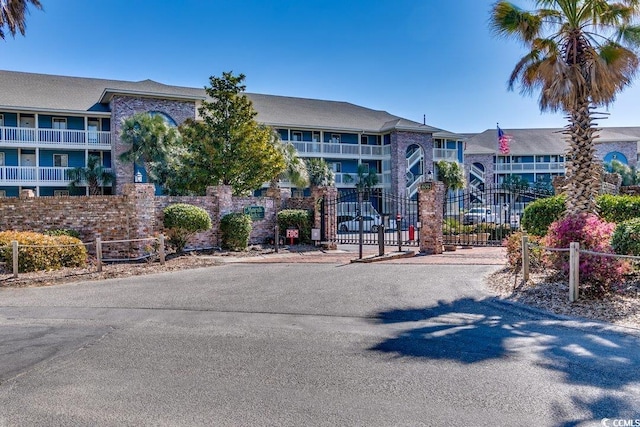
{"type": "Point", "coordinates": [135, 214]}
{"type": "Point", "coordinates": [431, 197]}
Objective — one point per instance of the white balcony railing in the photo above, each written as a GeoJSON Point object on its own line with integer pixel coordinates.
{"type": "Point", "coordinates": [529, 167]}
{"type": "Point", "coordinates": [450, 155]}
{"type": "Point", "coordinates": [317, 149]}
{"type": "Point", "coordinates": [29, 175]}
{"type": "Point", "coordinates": [50, 137]}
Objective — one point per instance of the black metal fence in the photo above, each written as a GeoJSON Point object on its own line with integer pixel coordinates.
{"type": "Point", "coordinates": [486, 216]}
{"type": "Point", "coordinates": [368, 216]}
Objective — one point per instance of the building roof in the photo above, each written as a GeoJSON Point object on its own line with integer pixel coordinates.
{"type": "Point", "coordinates": [30, 91]}
{"type": "Point", "coordinates": [541, 141]}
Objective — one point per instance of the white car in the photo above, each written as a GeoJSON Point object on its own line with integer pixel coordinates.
{"type": "Point", "coordinates": [352, 223]}
{"type": "Point", "coordinates": [479, 216]}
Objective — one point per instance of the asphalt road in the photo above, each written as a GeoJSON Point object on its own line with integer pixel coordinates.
{"type": "Point", "coordinates": [305, 345]}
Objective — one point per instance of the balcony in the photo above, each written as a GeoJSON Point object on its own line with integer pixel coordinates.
{"type": "Point", "coordinates": [529, 167]}
{"type": "Point", "coordinates": [328, 149]}
{"type": "Point", "coordinates": [449, 155]}
{"type": "Point", "coordinates": [58, 138]}
{"type": "Point", "coordinates": [28, 175]}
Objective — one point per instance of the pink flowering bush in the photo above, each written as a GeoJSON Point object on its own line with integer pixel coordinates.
{"type": "Point", "coordinates": [598, 274]}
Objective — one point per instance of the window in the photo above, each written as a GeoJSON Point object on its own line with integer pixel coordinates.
{"type": "Point", "coordinates": [1, 158]}
{"type": "Point", "coordinates": [59, 123]}
{"type": "Point", "coordinates": [364, 140]}
{"type": "Point", "coordinates": [61, 160]}
{"type": "Point", "coordinates": [336, 167]}
{"type": "Point", "coordinates": [296, 136]}
{"type": "Point", "coordinates": [3, 193]}
{"type": "Point", "coordinates": [58, 193]}
{"type": "Point", "coordinates": [335, 138]}
{"type": "Point", "coordinates": [315, 137]}
{"type": "Point", "coordinates": [1, 119]}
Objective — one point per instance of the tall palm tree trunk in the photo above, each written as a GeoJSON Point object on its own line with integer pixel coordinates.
{"type": "Point", "coordinates": [583, 168]}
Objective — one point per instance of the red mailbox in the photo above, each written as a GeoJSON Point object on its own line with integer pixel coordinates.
{"type": "Point", "coordinates": [412, 233]}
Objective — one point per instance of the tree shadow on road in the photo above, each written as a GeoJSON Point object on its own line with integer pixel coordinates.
{"type": "Point", "coordinates": [469, 331]}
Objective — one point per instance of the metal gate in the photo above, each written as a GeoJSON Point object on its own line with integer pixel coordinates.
{"type": "Point", "coordinates": [485, 216]}
{"type": "Point", "coordinates": [356, 216]}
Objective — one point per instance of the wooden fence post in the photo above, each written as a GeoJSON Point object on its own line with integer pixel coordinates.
{"type": "Point", "coordinates": [99, 253]}
{"type": "Point", "coordinates": [161, 249]}
{"type": "Point", "coordinates": [14, 250]}
{"type": "Point", "coordinates": [525, 257]}
{"type": "Point", "coordinates": [574, 271]}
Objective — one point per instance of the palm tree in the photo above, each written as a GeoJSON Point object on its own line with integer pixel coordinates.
{"type": "Point", "coordinates": [366, 177]}
{"type": "Point", "coordinates": [320, 173]}
{"type": "Point", "coordinates": [151, 142]}
{"type": "Point", "coordinates": [582, 54]}
{"type": "Point", "coordinates": [94, 175]}
{"type": "Point", "coordinates": [295, 168]}
{"type": "Point", "coordinates": [451, 174]}
{"type": "Point", "coordinates": [13, 15]}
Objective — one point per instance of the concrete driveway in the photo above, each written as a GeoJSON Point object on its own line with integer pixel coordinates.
{"type": "Point", "coordinates": [305, 344]}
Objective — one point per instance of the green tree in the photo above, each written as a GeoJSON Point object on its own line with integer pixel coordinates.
{"type": "Point", "coordinates": [451, 174]}
{"type": "Point", "coordinates": [94, 175]}
{"type": "Point", "coordinates": [151, 141]}
{"type": "Point", "coordinates": [228, 146]}
{"type": "Point", "coordinates": [582, 53]}
{"type": "Point", "coordinates": [366, 177]}
{"type": "Point", "coordinates": [13, 15]}
{"type": "Point", "coordinates": [320, 173]}
{"type": "Point", "coordinates": [295, 168]}
{"type": "Point", "coordinates": [629, 174]}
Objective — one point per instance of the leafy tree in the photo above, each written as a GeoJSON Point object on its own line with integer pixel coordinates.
{"type": "Point", "coordinates": [629, 174]}
{"type": "Point", "coordinates": [228, 146]}
{"type": "Point", "coordinates": [366, 177]}
{"type": "Point", "coordinates": [451, 174]}
{"type": "Point", "coordinates": [582, 54]}
{"type": "Point", "coordinates": [515, 183]}
{"type": "Point", "coordinates": [151, 141]}
{"type": "Point", "coordinates": [320, 173]}
{"type": "Point", "coordinates": [94, 175]}
{"type": "Point", "coordinates": [13, 15]}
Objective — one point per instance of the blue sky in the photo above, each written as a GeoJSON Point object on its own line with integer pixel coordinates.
{"type": "Point", "coordinates": [408, 57]}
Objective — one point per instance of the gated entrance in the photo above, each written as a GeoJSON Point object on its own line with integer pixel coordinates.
{"type": "Point", "coordinates": [485, 216]}
{"type": "Point", "coordinates": [355, 216]}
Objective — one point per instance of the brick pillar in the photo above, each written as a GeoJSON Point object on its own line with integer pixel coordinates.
{"type": "Point", "coordinates": [328, 222]}
{"type": "Point", "coordinates": [142, 220]}
{"type": "Point", "coordinates": [431, 197]}
{"type": "Point", "coordinates": [222, 204]}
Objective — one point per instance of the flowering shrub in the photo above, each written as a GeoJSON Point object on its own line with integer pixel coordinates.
{"type": "Point", "coordinates": [513, 244]}
{"type": "Point", "coordinates": [598, 274]}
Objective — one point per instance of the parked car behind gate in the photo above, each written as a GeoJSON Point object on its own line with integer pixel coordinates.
{"type": "Point", "coordinates": [479, 216]}
{"type": "Point", "coordinates": [370, 223]}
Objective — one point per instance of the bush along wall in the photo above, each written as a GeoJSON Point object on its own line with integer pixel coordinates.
{"type": "Point", "coordinates": [296, 218]}
{"type": "Point", "coordinates": [183, 221]}
{"type": "Point", "coordinates": [41, 252]}
{"type": "Point", "coordinates": [235, 229]}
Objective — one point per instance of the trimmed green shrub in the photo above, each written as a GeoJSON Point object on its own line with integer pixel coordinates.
{"type": "Point", "coordinates": [296, 218]}
{"type": "Point", "coordinates": [235, 229]}
{"type": "Point", "coordinates": [598, 274]}
{"type": "Point", "coordinates": [63, 232]}
{"type": "Point", "coordinates": [496, 231]}
{"type": "Point", "coordinates": [539, 214]}
{"type": "Point", "coordinates": [182, 221]}
{"type": "Point", "coordinates": [41, 252]}
{"type": "Point", "coordinates": [626, 237]}
{"type": "Point", "coordinates": [618, 208]}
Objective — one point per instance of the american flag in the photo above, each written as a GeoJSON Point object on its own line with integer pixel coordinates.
{"type": "Point", "coordinates": [503, 141]}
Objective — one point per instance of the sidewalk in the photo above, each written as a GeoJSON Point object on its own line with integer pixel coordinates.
{"type": "Point", "coordinates": [346, 253]}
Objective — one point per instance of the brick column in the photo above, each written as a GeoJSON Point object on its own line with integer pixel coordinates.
{"type": "Point", "coordinates": [222, 205]}
{"type": "Point", "coordinates": [328, 221]}
{"type": "Point", "coordinates": [142, 221]}
{"type": "Point", "coordinates": [431, 197]}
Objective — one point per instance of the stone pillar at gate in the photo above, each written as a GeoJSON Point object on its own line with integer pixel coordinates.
{"type": "Point", "coordinates": [142, 217]}
{"type": "Point", "coordinates": [431, 197]}
{"type": "Point", "coordinates": [328, 221]}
